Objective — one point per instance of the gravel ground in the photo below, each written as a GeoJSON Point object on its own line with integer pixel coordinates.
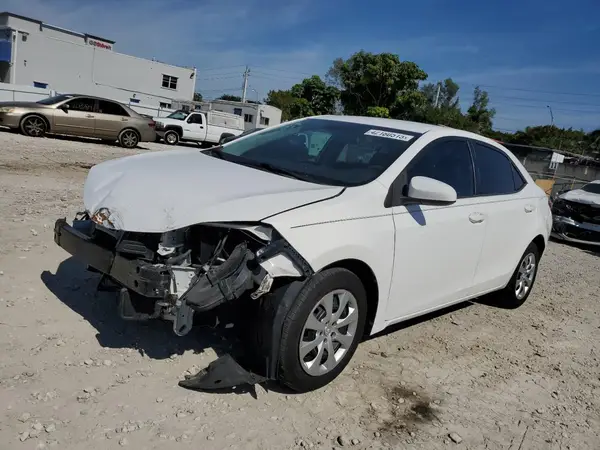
{"type": "Point", "coordinates": [73, 375]}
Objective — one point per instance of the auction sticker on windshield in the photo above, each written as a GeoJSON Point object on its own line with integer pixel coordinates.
{"type": "Point", "coordinates": [389, 135]}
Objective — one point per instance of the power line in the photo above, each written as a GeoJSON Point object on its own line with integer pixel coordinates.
{"type": "Point", "coordinates": [585, 94]}
{"type": "Point", "coordinates": [220, 68]}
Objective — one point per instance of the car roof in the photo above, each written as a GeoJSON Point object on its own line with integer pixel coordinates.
{"type": "Point", "coordinates": [413, 127]}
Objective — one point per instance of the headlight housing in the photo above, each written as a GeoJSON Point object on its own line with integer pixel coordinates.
{"type": "Point", "coordinates": [6, 109]}
{"type": "Point", "coordinates": [102, 217]}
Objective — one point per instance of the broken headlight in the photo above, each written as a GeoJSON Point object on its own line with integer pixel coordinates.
{"type": "Point", "coordinates": [102, 217]}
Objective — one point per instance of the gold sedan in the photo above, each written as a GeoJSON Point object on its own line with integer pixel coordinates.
{"type": "Point", "coordinates": [79, 115]}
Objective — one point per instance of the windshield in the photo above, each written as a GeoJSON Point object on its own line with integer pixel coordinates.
{"type": "Point", "coordinates": [322, 151]}
{"type": "Point", "coordinates": [54, 100]}
{"type": "Point", "coordinates": [594, 188]}
{"type": "Point", "coordinates": [178, 115]}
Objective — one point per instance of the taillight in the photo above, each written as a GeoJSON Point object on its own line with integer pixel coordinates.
{"type": "Point", "coordinates": [152, 124]}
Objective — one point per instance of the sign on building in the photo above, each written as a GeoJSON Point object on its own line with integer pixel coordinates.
{"type": "Point", "coordinates": [99, 44]}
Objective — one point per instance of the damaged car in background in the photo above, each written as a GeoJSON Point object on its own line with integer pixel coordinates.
{"type": "Point", "coordinates": [576, 215]}
{"type": "Point", "coordinates": [317, 232]}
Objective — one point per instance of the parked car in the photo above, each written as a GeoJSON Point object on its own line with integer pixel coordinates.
{"type": "Point", "coordinates": [78, 115]}
{"type": "Point", "coordinates": [209, 127]}
{"type": "Point", "coordinates": [245, 133]}
{"type": "Point", "coordinates": [576, 215]}
{"type": "Point", "coordinates": [378, 222]}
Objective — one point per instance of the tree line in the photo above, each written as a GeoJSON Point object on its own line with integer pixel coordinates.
{"type": "Point", "coordinates": [381, 85]}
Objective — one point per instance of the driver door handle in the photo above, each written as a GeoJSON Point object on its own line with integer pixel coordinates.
{"type": "Point", "coordinates": [476, 217]}
{"type": "Point", "coordinates": [529, 208]}
{"type": "Point", "coordinates": [90, 116]}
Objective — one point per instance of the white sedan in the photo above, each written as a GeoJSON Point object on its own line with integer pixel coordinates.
{"type": "Point", "coordinates": [327, 228]}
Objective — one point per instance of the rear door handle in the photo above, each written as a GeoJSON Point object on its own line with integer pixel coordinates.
{"type": "Point", "coordinates": [90, 116]}
{"type": "Point", "coordinates": [529, 208]}
{"type": "Point", "coordinates": [476, 217]}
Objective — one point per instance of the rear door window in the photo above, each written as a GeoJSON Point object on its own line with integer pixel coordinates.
{"type": "Point", "coordinates": [111, 108]}
{"type": "Point", "coordinates": [495, 173]}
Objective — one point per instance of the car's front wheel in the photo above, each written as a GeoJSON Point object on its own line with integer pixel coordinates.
{"type": "Point", "coordinates": [322, 330]}
{"type": "Point", "coordinates": [34, 126]}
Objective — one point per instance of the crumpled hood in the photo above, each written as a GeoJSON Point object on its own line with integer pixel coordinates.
{"type": "Point", "coordinates": [161, 191]}
{"type": "Point", "coordinates": [581, 196]}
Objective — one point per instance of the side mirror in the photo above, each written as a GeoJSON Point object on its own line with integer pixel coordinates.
{"type": "Point", "coordinates": [429, 191]}
{"type": "Point", "coordinates": [65, 108]}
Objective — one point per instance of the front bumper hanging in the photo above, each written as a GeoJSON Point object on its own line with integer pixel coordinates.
{"type": "Point", "coordinates": [261, 332]}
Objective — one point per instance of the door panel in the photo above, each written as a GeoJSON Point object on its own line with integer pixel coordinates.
{"type": "Point", "coordinates": [437, 252]}
{"type": "Point", "coordinates": [111, 118]}
{"type": "Point", "coordinates": [77, 119]}
{"type": "Point", "coordinates": [510, 215]}
{"type": "Point", "coordinates": [437, 247]}
{"type": "Point", "coordinates": [195, 127]}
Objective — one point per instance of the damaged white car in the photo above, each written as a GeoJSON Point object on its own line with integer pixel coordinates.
{"type": "Point", "coordinates": [576, 215]}
{"type": "Point", "coordinates": [328, 228]}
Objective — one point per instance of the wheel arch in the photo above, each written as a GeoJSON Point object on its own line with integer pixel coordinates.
{"type": "Point", "coordinates": [540, 243]}
{"type": "Point", "coordinates": [367, 277]}
{"type": "Point", "coordinates": [176, 128]}
{"type": "Point", "coordinates": [42, 116]}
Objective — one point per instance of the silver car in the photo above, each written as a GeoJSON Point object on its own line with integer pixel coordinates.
{"type": "Point", "coordinates": [79, 115]}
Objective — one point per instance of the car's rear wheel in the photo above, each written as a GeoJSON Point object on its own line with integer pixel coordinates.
{"type": "Point", "coordinates": [171, 137]}
{"type": "Point", "coordinates": [129, 138]}
{"type": "Point", "coordinates": [322, 330]}
{"type": "Point", "coordinates": [521, 283]}
{"type": "Point", "coordinates": [34, 126]}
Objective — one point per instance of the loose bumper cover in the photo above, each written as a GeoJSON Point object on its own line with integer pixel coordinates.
{"type": "Point", "coordinates": [106, 251]}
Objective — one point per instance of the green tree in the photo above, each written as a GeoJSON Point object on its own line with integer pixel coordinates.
{"type": "Point", "coordinates": [377, 80]}
{"type": "Point", "coordinates": [197, 97]}
{"type": "Point", "coordinates": [231, 98]}
{"type": "Point", "coordinates": [285, 101]}
{"type": "Point", "coordinates": [378, 111]}
{"type": "Point", "coordinates": [448, 94]}
{"type": "Point", "coordinates": [479, 112]}
{"type": "Point", "coordinates": [320, 97]}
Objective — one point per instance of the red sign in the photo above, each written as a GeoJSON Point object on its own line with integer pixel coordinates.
{"type": "Point", "coordinates": [99, 44]}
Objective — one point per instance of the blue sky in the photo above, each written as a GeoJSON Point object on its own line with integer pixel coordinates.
{"type": "Point", "coordinates": [527, 54]}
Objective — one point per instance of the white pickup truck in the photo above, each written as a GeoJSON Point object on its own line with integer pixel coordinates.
{"type": "Point", "coordinates": [210, 127]}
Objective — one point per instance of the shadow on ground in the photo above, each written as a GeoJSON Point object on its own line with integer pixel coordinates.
{"type": "Point", "coordinates": [76, 287]}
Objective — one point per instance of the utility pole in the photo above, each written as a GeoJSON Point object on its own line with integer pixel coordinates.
{"type": "Point", "coordinates": [245, 85]}
{"type": "Point", "coordinates": [437, 95]}
{"type": "Point", "coordinates": [551, 115]}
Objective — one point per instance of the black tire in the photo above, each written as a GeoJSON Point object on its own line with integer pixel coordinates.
{"type": "Point", "coordinates": [34, 126]}
{"type": "Point", "coordinates": [291, 373]}
{"type": "Point", "coordinates": [129, 138]}
{"type": "Point", "coordinates": [171, 137]}
{"type": "Point", "coordinates": [507, 297]}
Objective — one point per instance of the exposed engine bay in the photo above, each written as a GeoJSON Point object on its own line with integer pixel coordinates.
{"type": "Point", "coordinates": [175, 274]}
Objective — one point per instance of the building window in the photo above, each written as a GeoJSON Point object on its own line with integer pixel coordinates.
{"type": "Point", "coordinates": [165, 105]}
{"type": "Point", "coordinates": [134, 100]}
{"type": "Point", "coordinates": [264, 121]}
{"type": "Point", "coordinates": [169, 82]}
{"type": "Point", "coordinates": [37, 84]}
{"type": "Point", "coordinates": [249, 118]}
{"type": "Point", "coordinates": [237, 111]}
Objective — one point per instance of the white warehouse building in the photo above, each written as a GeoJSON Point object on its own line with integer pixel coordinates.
{"type": "Point", "coordinates": [38, 55]}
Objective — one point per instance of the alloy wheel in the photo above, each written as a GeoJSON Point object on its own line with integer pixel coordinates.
{"type": "Point", "coordinates": [34, 126]}
{"type": "Point", "coordinates": [328, 332]}
{"type": "Point", "coordinates": [525, 276]}
{"type": "Point", "coordinates": [129, 139]}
